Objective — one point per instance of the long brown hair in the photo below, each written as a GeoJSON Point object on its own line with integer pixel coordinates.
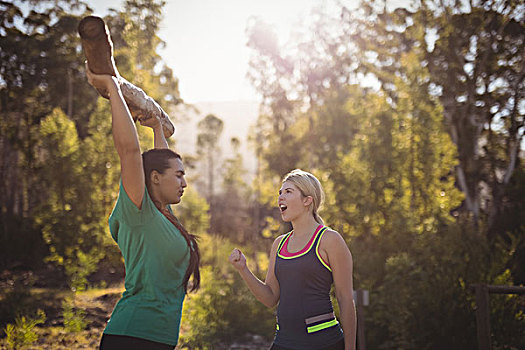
{"type": "Point", "coordinates": [157, 159]}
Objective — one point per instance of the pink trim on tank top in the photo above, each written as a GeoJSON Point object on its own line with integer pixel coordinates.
{"type": "Point", "coordinates": [284, 249]}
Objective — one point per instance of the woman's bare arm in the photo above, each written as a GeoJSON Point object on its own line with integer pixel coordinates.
{"type": "Point", "coordinates": [340, 260]}
{"type": "Point", "coordinates": [159, 140]}
{"type": "Point", "coordinates": [266, 292]}
{"type": "Point", "coordinates": [124, 136]}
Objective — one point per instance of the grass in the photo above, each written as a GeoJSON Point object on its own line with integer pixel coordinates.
{"type": "Point", "coordinates": [95, 306]}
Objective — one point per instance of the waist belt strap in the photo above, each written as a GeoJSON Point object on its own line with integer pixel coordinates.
{"type": "Point", "coordinates": [320, 322]}
{"type": "Point", "coordinates": [323, 317]}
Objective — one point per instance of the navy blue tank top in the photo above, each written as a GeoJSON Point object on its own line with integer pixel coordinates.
{"type": "Point", "coordinates": [305, 316]}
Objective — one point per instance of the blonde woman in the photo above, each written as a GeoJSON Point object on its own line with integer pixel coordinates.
{"type": "Point", "coordinates": [303, 265]}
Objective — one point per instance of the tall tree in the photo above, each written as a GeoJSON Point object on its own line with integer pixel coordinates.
{"type": "Point", "coordinates": [233, 202]}
{"type": "Point", "coordinates": [474, 52]}
{"type": "Point", "coordinates": [41, 70]}
{"type": "Point", "coordinates": [210, 130]}
{"type": "Point", "coordinates": [388, 164]}
{"type": "Point", "coordinates": [39, 51]}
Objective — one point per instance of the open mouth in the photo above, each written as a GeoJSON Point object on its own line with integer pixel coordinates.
{"type": "Point", "coordinates": [282, 207]}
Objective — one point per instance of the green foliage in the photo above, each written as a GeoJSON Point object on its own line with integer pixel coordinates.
{"type": "Point", "coordinates": [234, 170]}
{"type": "Point", "coordinates": [390, 161]}
{"type": "Point", "coordinates": [236, 217]}
{"type": "Point", "coordinates": [193, 212]}
{"type": "Point", "coordinates": [465, 49]}
{"type": "Point", "coordinates": [426, 294]}
{"type": "Point", "coordinates": [79, 265]}
{"type": "Point", "coordinates": [72, 220]}
{"type": "Point", "coordinates": [222, 311]}
{"type": "Point", "coordinates": [62, 171]}
{"type": "Point", "coordinates": [22, 332]}
{"type": "Point", "coordinates": [136, 43]}
{"type": "Point", "coordinates": [74, 318]}
{"type": "Point", "coordinates": [210, 130]}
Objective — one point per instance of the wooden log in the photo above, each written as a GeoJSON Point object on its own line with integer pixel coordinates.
{"type": "Point", "coordinates": [501, 289]}
{"type": "Point", "coordinates": [98, 48]}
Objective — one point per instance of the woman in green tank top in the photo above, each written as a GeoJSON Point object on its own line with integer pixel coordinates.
{"type": "Point", "coordinates": [159, 254]}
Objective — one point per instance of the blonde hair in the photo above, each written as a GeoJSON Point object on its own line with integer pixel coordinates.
{"type": "Point", "coordinates": [308, 185]}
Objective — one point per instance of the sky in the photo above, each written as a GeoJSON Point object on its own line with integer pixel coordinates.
{"type": "Point", "coordinates": [206, 41]}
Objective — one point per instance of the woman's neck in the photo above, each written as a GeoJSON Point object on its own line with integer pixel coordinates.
{"type": "Point", "coordinates": [304, 225]}
{"type": "Point", "coordinates": [160, 206]}
{"type": "Point", "coordinates": [156, 199]}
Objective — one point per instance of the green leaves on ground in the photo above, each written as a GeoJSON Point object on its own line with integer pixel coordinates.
{"type": "Point", "coordinates": [22, 332]}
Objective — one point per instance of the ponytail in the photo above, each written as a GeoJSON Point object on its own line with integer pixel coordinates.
{"type": "Point", "coordinates": [318, 218]}
{"type": "Point", "coordinates": [191, 240]}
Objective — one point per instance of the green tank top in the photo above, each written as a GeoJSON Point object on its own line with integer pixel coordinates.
{"type": "Point", "coordinates": [156, 257]}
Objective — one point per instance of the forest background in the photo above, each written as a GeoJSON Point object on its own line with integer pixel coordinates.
{"type": "Point", "coordinates": [424, 172]}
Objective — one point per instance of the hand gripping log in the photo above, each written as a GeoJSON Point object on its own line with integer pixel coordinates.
{"type": "Point", "coordinates": [98, 49]}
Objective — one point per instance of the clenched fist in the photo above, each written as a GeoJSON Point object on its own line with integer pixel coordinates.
{"type": "Point", "coordinates": [102, 82]}
{"type": "Point", "coordinates": [237, 259]}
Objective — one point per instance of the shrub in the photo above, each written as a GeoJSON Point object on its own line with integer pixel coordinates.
{"type": "Point", "coordinates": [22, 332]}
{"type": "Point", "coordinates": [74, 319]}
{"type": "Point", "coordinates": [222, 311]}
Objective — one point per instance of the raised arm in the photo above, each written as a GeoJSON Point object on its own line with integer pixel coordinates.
{"type": "Point", "coordinates": [267, 292]}
{"type": "Point", "coordinates": [124, 136]}
{"type": "Point", "coordinates": [159, 140]}
{"type": "Point", "coordinates": [340, 260]}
